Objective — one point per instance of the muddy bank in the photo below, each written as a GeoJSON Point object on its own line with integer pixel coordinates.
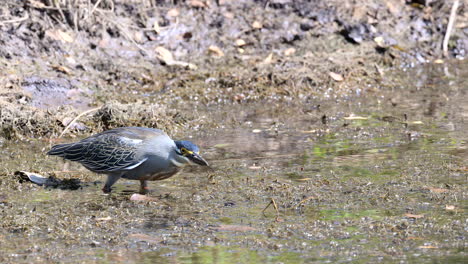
{"type": "Point", "coordinates": [369, 179]}
{"type": "Point", "coordinates": [203, 52]}
{"type": "Point", "coordinates": [333, 131]}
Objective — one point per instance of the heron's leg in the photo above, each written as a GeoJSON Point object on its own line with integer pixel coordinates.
{"type": "Point", "coordinates": [144, 187]}
{"type": "Point", "coordinates": [111, 179]}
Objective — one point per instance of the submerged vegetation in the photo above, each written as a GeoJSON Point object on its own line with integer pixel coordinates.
{"type": "Point", "coordinates": [334, 130]}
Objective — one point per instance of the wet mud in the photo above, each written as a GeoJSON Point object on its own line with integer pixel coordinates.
{"type": "Point", "coordinates": [368, 179]}
{"type": "Point", "coordinates": [334, 130]}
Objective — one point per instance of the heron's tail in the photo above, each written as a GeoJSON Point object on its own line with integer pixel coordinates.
{"type": "Point", "coordinates": [59, 150]}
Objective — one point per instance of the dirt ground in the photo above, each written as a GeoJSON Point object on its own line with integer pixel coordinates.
{"type": "Point", "coordinates": [61, 58]}
{"type": "Point", "coordinates": [346, 118]}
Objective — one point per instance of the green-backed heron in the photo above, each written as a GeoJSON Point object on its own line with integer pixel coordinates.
{"type": "Point", "coordinates": [135, 153]}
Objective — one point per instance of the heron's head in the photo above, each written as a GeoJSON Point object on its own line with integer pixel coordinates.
{"type": "Point", "coordinates": [189, 152]}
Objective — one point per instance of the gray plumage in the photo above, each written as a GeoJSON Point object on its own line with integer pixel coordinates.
{"type": "Point", "coordinates": [135, 153]}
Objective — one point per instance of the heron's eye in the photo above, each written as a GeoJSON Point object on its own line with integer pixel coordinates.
{"type": "Point", "coordinates": [184, 151]}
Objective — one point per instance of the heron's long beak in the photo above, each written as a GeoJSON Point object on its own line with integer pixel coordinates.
{"type": "Point", "coordinates": [196, 158]}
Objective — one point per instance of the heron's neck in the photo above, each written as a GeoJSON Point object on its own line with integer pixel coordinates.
{"type": "Point", "coordinates": [178, 160]}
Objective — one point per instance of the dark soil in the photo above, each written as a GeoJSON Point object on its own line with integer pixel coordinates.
{"type": "Point", "coordinates": [343, 118]}
{"type": "Point", "coordinates": [82, 55]}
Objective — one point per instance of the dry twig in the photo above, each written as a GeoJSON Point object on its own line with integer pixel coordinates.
{"type": "Point", "coordinates": [453, 16]}
{"type": "Point", "coordinates": [16, 20]}
{"type": "Point", "coordinates": [76, 118]}
{"type": "Point", "coordinates": [272, 202]}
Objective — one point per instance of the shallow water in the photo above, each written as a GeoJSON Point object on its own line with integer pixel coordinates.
{"type": "Point", "coordinates": [381, 177]}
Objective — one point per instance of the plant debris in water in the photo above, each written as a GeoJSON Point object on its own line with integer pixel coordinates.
{"type": "Point", "coordinates": [51, 181]}
{"type": "Point", "coordinates": [321, 150]}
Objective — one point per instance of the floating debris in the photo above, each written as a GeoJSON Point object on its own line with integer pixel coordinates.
{"type": "Point", "coordinates": [63, 184]}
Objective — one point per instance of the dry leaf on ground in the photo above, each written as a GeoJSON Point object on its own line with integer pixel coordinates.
{"type": "Point", "coordinates": [257, 25]}
{"type": "Point", "coordinates": [415, 216]}
{"type": "Point", "coordinates": [336, 76]}
{"type": "Point", "coordinates": [214, 50]}
{"type": "Point", "coordinates": [240, 42]}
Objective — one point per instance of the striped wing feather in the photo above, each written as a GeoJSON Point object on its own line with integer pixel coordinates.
{"type": "Point", "coordinates": [112, 150]}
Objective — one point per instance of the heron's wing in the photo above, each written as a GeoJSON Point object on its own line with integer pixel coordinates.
{"type": "Point", "coordinates": [133, 132]}
{"type": "Point", "coordinates": [112, 150]}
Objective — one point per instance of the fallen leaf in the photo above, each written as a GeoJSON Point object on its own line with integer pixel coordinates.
{"type": "Point", "coordinates": [268, 59]}
{"type": "Point", "coordinates": [240, 50]}
{"type": "Point", "coordinates": [356, 118]}
{"type": "Point", "coordinates": [257, 25]}
{"type": "Point", "coordinates": [438, 190]}
{"type": "Point", "coordinates": [174, 12]}
{"type": "Point", "coordinates": [197, 3]}
{"type": "Point", "coordinates": [70, 59]}
{"type": "Point", "coordinates": [164, 54]}
{"type": "Point", "coordinates": [145, 238]}
{"type": "Point", "coordinates": [156, 27]}
{"type": "Point", "coordinates": [449, 207]}
{"type": "Point", "coordinates": [65, 36]}
{"type": "Point", "coordinates": [59, 35]}
{"type": "Point", "coordinates": [140, 197]}
{"type": "Point", "coordinates": [427, 247]}
{"type": "Point", "coordinates": [240, 42]}
{"type": "Point", "coordinates": [139, 37]}
{"type": "Point", "coordinates": [439, 61]}
{"type": "Point", "coordinates": [229, 15]}
{"type": "Point", "coordinates": [380, 41]}
{"type": "Point", "coordinates": [215, 51]}
{"type": "Point", "coordinates": [255, 167]}
{"type": "Point", "coordinates": [239, 97]}
{"type": "Point", "coordinates": [36, 4]}
{"type": "Point", "coordinates": [415, 216]}
{"type": "Point", "coordinates": [256, 131]}
{"type": "Point", "coordinates": [335, 76]}
{"type": "Point", "coordinates": [237, 228]}
{"type": "Point", "coordinates": [394, 7]}
{"type": "Point", "coordinates": [416, 123]}
{"type": "Point", "coordinates": [62, 69]}
{"type": "Point", "coordinates": [104, 219]}
{"type": "Point", "coordinates": [359, 12]}
{"type": "Point", "coordinates": [289, 52]}
{"type": "Point", "coordinates": [76, 125]}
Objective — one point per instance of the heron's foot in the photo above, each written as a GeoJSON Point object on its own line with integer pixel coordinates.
{"type": "Point", "coordinates": [111, 179]}
{"type": "Point", "coordinates": [106, 189]}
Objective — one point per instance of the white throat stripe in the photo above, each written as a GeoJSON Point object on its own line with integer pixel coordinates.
{"type": "Point", "coordinates": [178, 164]}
